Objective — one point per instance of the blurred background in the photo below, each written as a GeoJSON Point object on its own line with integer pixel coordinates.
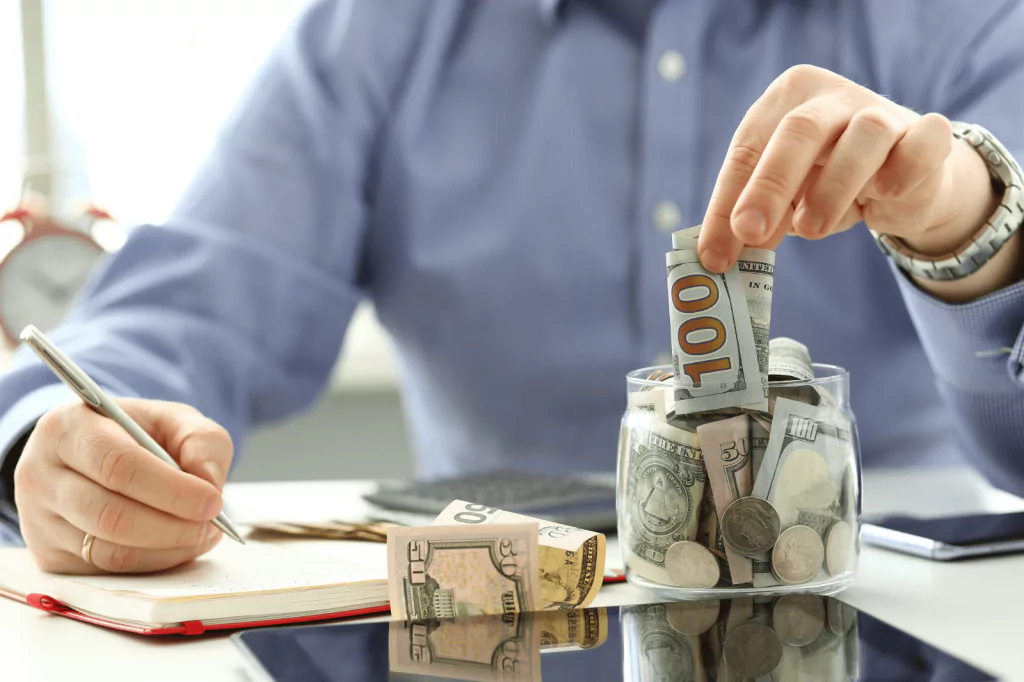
{"type": "Point", "coordinates": [117, 102]}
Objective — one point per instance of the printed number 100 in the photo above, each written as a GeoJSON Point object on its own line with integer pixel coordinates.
{"type": "Point", "coordinates": [687, 329]}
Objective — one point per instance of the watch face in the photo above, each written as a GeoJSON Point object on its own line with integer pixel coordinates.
{"type": "Point", "coordinates": [40, 279]}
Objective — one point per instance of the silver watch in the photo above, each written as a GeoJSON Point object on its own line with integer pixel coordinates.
{"type": "Point", "coordinates": [990, 238]}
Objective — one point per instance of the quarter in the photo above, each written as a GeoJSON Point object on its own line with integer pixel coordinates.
{"type": "Point", "coordinates": [750, 525]}
{"type": "Point", "coordinates": [691, 565]}
{"type": "Point", "coordinates": [752, 650]}
{"type": "Point", "coordinates": [799, 619]}
{"type": "Point", "coordinates": [797, 556]}
{"type": "Point", "coordinates": [838, 548]}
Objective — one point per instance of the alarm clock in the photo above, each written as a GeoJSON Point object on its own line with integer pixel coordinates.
{"type": "Point", "coordinates": [42, 275]}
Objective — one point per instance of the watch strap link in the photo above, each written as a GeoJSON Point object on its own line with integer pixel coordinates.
{"type": "Point", "coordinates": [1002, 225]}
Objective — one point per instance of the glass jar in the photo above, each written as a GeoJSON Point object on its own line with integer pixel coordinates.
{"type": "Point", "coordinates": [740, 502]}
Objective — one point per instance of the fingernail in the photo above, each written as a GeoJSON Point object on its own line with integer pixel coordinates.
{"type": "Point", "coordinates": [211, 508]}
{"type": "Point", "coordinates": [750, 223]}
{"type": "Point", "coordinates": [215, 473]}
{"type": "Point", "coordinates": [714, 260]}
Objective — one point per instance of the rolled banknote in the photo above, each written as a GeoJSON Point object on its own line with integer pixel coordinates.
{"type": "Point", "coordinates": [757, 271]}
{"type": "Point", "coordinates": [726, 448]}
{"type": "Point", "coordinates": [665, 479]}
{"type": "Point", "coordinates": [714, 353]}
{"type": "Point", "coordinates": [788, 359]}
{"type": "Point", "coordinates": [686, 239]}
{"type": "Point", "coordinates": [570, 560]}
{"type": "Point", "coordinates": [447, 572]}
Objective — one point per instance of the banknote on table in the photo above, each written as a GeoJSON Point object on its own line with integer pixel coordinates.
{"type": "Point", "coordinates": [570, 560]}
{"type": "Point", "coordinates": [804, 467]}
{"type": "Point", "coordinates": [714, 354]}
{"type": "Point", "coordinates": [447, 572]}
{"type": "Point", "coordinates": [664, 486]}
{"type": "Point", "coordinates": [727, 457]}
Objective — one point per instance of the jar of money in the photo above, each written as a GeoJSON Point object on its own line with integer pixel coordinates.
{"type": "Point", "coordinates": [761, 499]}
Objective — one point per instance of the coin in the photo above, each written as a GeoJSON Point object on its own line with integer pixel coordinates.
{"type": "Point", "coordinates": [838, 548]}
{"type": "Point", "coordinates": [691, 565]}
{"type": "Point", "coordinates": [693, 617]}
{"type": "Point", "coordinates": [798, 619]}
{"type": "Point", "coordinates": [752, 650]}
{"type": "Point", "coordinates": [750, 525]}
{"type": "Point", "coordinates": [841, 617]}
{"type": "Point", "coordinates": [797, 555]}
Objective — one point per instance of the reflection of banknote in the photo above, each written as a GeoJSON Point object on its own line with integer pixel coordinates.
{"type": "Point", "coordinates": [726, 448]}
{"type": "Point", "coordinates": [571, 629]}
{"type": "Point", "coordinates": [714, 354]}
{"type": "Point", "coordinates": [446, 572]}
{"type": "Point", "coordinates": [664, 486]}
{"type": "Point", "coordinates": [654, 651]}
{"type": "Point", "coordinates": [484, 649]}
{"type": "Point", "coordinates": [803, 468]}
{"type": "Point", "coordinates": [571, 560]}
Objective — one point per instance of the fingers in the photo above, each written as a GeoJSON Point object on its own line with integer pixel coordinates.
{"type": "Point", "coordinates": [115, 518]}
{"type": "Point", "coordinates": [857, 156]}
{"type": "Point", "coordinates": [923, 149]}
{"type": "Point", "coordinates": [106, 454]}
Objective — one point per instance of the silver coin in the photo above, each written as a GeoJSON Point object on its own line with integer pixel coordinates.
{"type": "Point", "coordinates": [838, 548]}
{"type": "Point", "coordinates": [752, 650]}
{"type": "Point", "coordinates": [692, 617]}
{"type": "Point", "coordinates": [691, 565]}
{"type": "Point", "coordinates": [797, 556]}
{"type": "Point", "coordinates": [841, 617]}
{"type": "Point", "coordinates": [750, 525]}
{"type": "Point", "coordinates": [799, 619]}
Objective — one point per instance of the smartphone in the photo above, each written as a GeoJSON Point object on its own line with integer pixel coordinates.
{"type": "Point", "coordinates": [950, 537]}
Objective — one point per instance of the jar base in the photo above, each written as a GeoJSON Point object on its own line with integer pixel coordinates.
{"type": "Point", "coordinates": [833, 585]}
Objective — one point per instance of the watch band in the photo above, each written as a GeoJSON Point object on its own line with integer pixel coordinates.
{"type": "Point", "coordinates": [984, 244]}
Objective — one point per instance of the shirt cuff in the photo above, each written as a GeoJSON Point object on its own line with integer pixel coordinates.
{"type": "Point", "coordinates": [26, 412]}
{"type": "Point", "coordinates": [976, 346]}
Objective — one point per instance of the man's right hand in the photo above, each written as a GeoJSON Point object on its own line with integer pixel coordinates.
{"type": "Point", "coordinates": [82, 473]}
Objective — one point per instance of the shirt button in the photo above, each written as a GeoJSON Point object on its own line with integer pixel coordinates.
{"type": "Point", "coordinates": [671, 66]}
{"type": "Point", "coordinates": [666, 216]}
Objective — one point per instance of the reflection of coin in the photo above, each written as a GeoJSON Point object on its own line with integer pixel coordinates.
{"type": "Point", "coordinates": [750, 525]}
{"type": "Point", "coordinates": [838, 548]}
{"type": "Point", "coordinates": [841, 617]}
{"type": "Point", "coordinates": [752, 650]}
{"type": "Point", "coordinates": [799, 619]}
{"type": "Point", "coordinates": [691, 565]}
{"type": "Point", "coordinates": [797, 555]}
{"type": "Point", "coordinates": [692, 617]}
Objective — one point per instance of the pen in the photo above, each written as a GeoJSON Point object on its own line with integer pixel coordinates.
{"type": "Point", "coordinates": [93, 396]}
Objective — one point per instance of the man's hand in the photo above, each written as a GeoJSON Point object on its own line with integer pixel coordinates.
{"type": "Point", "coordinates": [81, 473]}
{"type": "Point", "coordinates": [817, 153]}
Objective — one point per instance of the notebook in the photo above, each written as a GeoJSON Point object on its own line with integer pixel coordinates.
{"type": "Point", "coordinates": [232, 587]}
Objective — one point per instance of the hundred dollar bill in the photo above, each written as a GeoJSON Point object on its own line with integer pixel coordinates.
{"type": "Point", "coordinates": [803, 470]}
{"type": "Point", "coordinates": [757, 271]}
{"type": "Point", "coordinates": [726, 448]}
{"type": "Point", "coordinates": [789, 359]}
{"type": "Point", "coordinates": [447, 572]}
{"type": "Point", "coordinates": [483, 648]}
{"type": "Point", "coordinates": [664, 487]}
{"type": "Point", "coordinates": [570, 560]}
{"type": "Point", "coordinates": [686, 239]}
{"type": "Point", "coordinates": [714, 354]}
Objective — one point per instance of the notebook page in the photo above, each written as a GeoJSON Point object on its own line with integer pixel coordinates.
{"type": "Point", "coordinates": [232, 569]}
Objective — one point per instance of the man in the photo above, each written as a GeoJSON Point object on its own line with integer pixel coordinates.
{"type": "Point", "coordinates": [501, 178]}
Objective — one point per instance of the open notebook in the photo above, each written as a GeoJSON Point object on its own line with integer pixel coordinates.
{"type": "Point", "coordinates": [232, 587]}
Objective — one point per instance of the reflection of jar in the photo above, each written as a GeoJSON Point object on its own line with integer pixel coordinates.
{"type": "Point", "coordinates": [795, 637]}
{"type": "Point", "coordinates": [740, 501]}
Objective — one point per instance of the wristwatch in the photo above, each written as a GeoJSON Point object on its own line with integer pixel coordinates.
{"type": "Point", "coordinates": [987, 241]}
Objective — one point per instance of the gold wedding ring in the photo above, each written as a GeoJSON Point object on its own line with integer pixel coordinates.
{"type": "Point", "coordinates": [87, 549]}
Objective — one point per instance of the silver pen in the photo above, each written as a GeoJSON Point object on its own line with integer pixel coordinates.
{"type": "Point", "coordinates": [93, 396]}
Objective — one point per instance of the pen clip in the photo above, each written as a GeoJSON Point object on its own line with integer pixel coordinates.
{"type": "Point", "coordinates": [61, 365]}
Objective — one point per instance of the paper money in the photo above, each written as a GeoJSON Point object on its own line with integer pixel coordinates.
{"type": "Point", "coordinates": [657, 402]}
{"type": "Point", "coordinates": [483, 649]}
{"type": "Point", "coordinates": [725, 445]}
{"type": "Point", "coordinates": [571, 560]}
{"type": "Point", "coordinates": [757, 271]}
{"type": "Point", "coordinates": [327, 530]}
{"type": "Point", "coordinates": [709, 533]}
{"type": "Point", "coordinates": [664, 486]}
{"type": "Point", "coordinates": [803, 468]}
{"type": "Point", "coordinates": [686, 239]}
{"type": "Point", "coordinates": [447, 572]}
{"type": "Point", "coordinates": [789, 359]}
{"type": "Point", "coordinates": [714, 354]}
{"type": "Point", "coordinates": [653, 650]}
{"type": "Point", "coordinates": [571, 629]}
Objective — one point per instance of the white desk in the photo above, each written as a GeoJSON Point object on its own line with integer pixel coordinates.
{"type": "Point", "coordinates": [970, 609]}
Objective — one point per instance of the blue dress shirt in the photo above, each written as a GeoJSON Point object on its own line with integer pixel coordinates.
{"type": "Point", "coordinates": [500, 178]}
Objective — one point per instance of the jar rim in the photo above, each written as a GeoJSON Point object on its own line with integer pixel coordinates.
{"type": "Point", "coordinates": [824, 375]}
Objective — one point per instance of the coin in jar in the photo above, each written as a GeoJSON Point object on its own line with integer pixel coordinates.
{"type": "Point", "coordinates": [840, 616]}
{"type": "Point", "coordinates": [799, 619]}
{"type": "Point", "coordinates": [838, 548]}
{"type": "Point", "coordinates": [750, 525]}
{"type": "Point", "coordinates": [692, 617]}
{"type": "Point", "coordinates": [752, 650]}
{"type": "Point", "coordinates": [691, 565]}
{"type": "Point", "coordinates": [797, 555]}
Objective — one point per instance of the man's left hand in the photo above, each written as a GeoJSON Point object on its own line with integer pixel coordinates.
{"type": "Point", "coordinates": [818, 153]}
